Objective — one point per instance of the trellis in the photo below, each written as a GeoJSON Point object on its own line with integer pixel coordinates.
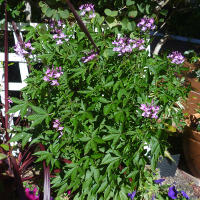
{"type": "Point", "coordinates": [23, 69]}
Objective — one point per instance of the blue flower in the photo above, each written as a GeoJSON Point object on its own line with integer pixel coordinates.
{"type": "Point", "coordinates": [172, 193]}
{"type": "Point", "coordinates": [184, 194]}
{"type": "Point", "coordinates": [132, 195]}
{"type": "Point", "coordinates": [159, 181]}
{"type": "Point", "coordinates": [153, 197]}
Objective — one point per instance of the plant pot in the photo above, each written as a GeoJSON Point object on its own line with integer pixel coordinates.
{"type": "Point", "coordinates": [191, 149]}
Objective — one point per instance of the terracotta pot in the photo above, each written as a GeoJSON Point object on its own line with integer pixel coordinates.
{"type": "Point", "coordinates": [191, 149]}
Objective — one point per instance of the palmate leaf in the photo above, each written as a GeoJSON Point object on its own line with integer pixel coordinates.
{"type": "Point", "coordinates": [39, 117]}
{"type": "Point", "coordinates": [38, 110]}
{"type": "Point", "coordinates": [17, 137]}
{"type": "Point", "coordinates": [22, 107]}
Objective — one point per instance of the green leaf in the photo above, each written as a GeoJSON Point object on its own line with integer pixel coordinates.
{"type": "Point", "coordinates": [121, 93]}
{"type": "Point", "coordinates": [38, 110]}
{"type": "Point", "coordinates": [108, 159]}
{"type": "Point", "coordinates": [130, 2]}
{"type": "Point", "coordinates": [62, 189]}
{"type": "Point", "coordinates": [109, 84]}
{"type": "Point", "coordinates": [103, 100]}
{"type": "Point", "coordinates": [87, 147]}
{"type": "Point", "coordinates": [163, 12]}
{"type": "Point", "coordinates": [107, 109]}
{"type": "Point", "coordinates": [39, 120]}
{"type": "Point", "coordinates": [110, 137]}
{"type": "Point", "coordinates": [49, 12]}
{"type": "Point", "coordinates": [148, 9]}
{"type": "Point", "coordinates": [25, 139]}
{"type": "Point", "coordinates": [133, 13]}
{"type": "Point", "coordinates": [123, 195]}
{"type": "Point", "coordinates": [140, 7]}
{"type": "Point", "coordinates": [5, 147]}
{"type": "Point", "coordinates": [103, 186]}
{"type": "Point", "coordinates": [17, 137]}
{"type": "Point", "coordinates": [23, 111]}
{"type": "Point", "coordinates": [96, 174]}
{"type": "Point", "coordinates": [17, 101]}
{"type": "Point", "coordinates": [64, 14]}
{"type": "Point", "coordinates": [108, 52]}
{"type": "Point", "coordinates": [2, 156]}
{"type": "Point", "coordinates": [156, 151]}
{"type": "Point", "coordinates": [110, 13]}
{"type": "Point", "coordinates": [14, 109]}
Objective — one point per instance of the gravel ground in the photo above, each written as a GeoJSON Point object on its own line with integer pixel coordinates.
{"type": "Point", "coordinates": [186, 182]}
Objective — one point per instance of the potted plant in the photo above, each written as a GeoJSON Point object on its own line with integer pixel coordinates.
{"type": "Point", "coordinates": [191, 144]}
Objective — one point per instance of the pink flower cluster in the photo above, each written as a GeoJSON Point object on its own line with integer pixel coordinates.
{"type": "Point", "coordinates": [60, 38]}
{"type": "Point", "coordinates": [52, 75]}
{"type": "Point", "coordinates": [23, 49]}
{"type": "Point", "coordinates": [176, 57]}
{"type": "Point", "coordinates": [150, 110]}
{"type": "Point", "coordinates": [146, 24]}
{"type": "Point", "coordinates": [89, 58]}
{"type": "Point", "coordinates": [87, 8]}
{"type": "Point", "coordinates": [31, 195]}
{"type": "Point", "coordinates": [56, 28]}
{"type": "Point", "coordinates": [58, 127]}
{"type": "Point", "coordinates": [126, 45]}
{"type": "Point", "coordinates": [10, 100]}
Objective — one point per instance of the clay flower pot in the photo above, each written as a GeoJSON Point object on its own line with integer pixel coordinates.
{"type": "Point", "coordinates": [191, 146]}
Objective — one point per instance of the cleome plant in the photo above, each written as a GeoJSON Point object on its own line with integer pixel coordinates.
{"type": "Point", "coordinates": [96, 109]}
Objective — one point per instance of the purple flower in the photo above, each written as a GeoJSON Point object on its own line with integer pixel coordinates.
{"type": "Point", "coordinates": [55, 36]}
{"type": "Point", "coordinates": [52, 75]}
{"type": "Point", "coordinates": [62, 35]}
{"type": "Point", "coordinates": [61, 134]}
{"type": "Point", "coordinates": [59, 42]}
{"type": "Point", "coordinates": [176, 57]}
{"type": "Point", "coordinates": [159, 181]}
{"type": "Point", "coordinates": [150, 110]}
{"type": "Point", "coordinates": [132, 195]}
{"type": "Point", "coordinates": [59, 23]}
{"type": "Point", "coordinates": [172, 192]}
{"type": "Point", "coordinates": [9, 100]}
{"type": "Point", "coordinates": [28, 45]}
{"type": "Point", "coordinates": [87, 8]}
{"type": "Point", "coordinates": [93, 15]}
{"type": "Point", "coordinates": [56, 125]}
{"type": "Point", "coordinates": [153, 197]}
{"type": "Point", "coordinates": [126, 45]}
{"type": "Point", "coordinates": [45, 78]}
{"type": "Point", "coordinates": [23, 49]}
{"type": "Point", "coordinates": [146, 24]}
{"type": "Point", "coordinates": [60, 128]}
{"type": "Point", "coordinates": [89, 58]}
{"type": "Point", "coordinates": [54, 82]}
{"type": "Point", "coordinates": [184, 194]}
